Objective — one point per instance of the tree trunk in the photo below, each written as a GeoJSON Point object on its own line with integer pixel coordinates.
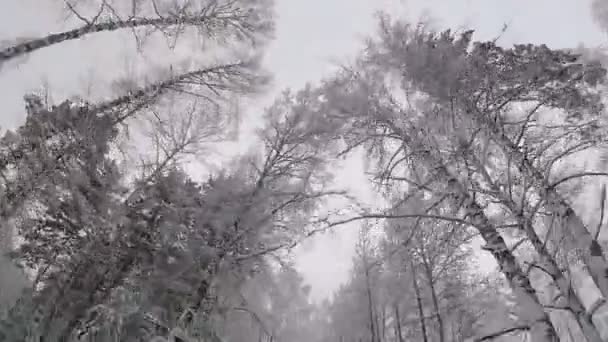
{"type": "Point", "coordinates": [569, 298]}
{"type": "Point", "coordinates": [541, 328]}
{"type": "Point", "coordinates": [382, 325]}
{"type": "Point", "coordinates": [370, 302]}
{"type": "Point", "coordinates": [540, 325]}
{"type": "Point", "coordinates": [398, 331]}
{"type": "Point", "coordinates": [419, 302]}
{"type": "Point", "coordinates": [434, 299]}
{"type": "Point", "coordinates": [123, 107]}
{"type": "Point", "coordinates": [108, 26]}
{"type": "Point", "coordinates": [578, 242]}
{"type": "Point", "coordinates": [577, 239]}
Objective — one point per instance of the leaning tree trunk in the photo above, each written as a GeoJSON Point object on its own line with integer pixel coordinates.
{"type": "Point", "coordinates": [91, 288]}
{"type": "Point", "coordinates": [541, 328]}
{"type": "Point", "coordinates": [577, 238]}
{"type": "Point", "coordinates": [533, 313]}
{"type": "Point", "coordinates": [548, 265]}
{"type": "Point", "coordinates": [218, 78]}
{"type": "Point", "coordinates": [112, 25]}
{"type": "Point", "coordinates": [581, 247]}
{"type": "Point", "coordinates": [579, 243]}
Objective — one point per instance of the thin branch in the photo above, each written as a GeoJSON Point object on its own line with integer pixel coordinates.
{"type": "Point", "coordinates": [517, 244]}
{"type": "Point", "coordinates": [602, 211]}
{"type": "Point", "coordinates": [79, 16]}
{"type": "Point", "coordinates": [401, 216]}
{"type": "Point", "coordinates": [219, 18]}
{"type": "Point", "coordinates": [575, 176]}
{"type": "Point", "coordinates": [502, 332]}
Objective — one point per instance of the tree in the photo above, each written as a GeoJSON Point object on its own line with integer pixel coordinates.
{"type": "Point", "coordinates": [365, 267]}
{"type": "Point", "coordinates": [129, 239]}
{"type": "Point", "coordinates": [353, 312]}
{"type": "Point", "coordinates": [372, 116]}
{"type": "Point", "coordinates": [61, 181]}
{"type": "Point", "coordinates": [213, 85]}
{"type": "Point", "coordinates": [438, 260]}
{"type": "Point", "coordinates": [224, 20]}
{"type": "Point", "coordinates": [543, 79]}
{"type": "Point", "coordinates": [272, 304]}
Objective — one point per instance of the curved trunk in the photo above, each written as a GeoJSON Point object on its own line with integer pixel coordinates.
{"type": "Point", "coordinates": [578, 241]}
{"type": "Point", "coordinates": [108, 26]}
{"type": "Point", "coordinates": [568, 298]}
{"type": "Point", "coordinates": [541, 328]}
{"type": "Point", "coordinates": [123, 107]}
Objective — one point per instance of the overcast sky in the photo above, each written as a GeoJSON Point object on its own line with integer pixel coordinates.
{"type": "Point", "coordinates": [312, 35]}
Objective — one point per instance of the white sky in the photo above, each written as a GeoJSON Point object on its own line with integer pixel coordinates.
{"type": "Point", "coordinates": [311, 35]}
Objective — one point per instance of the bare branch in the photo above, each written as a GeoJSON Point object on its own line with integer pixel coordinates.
{"type": "Point", "coordinates": [399, 216]}
{"type": "Point", "coordinates": [234, 19]}
{"type": "Point", "coordinates": [502, 332]}
{"type": "Point", "coordinates": [576, 176]}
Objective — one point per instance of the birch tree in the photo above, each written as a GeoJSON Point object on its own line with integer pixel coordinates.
{"type": "Point", "coordinates": [438, 256]}
{"type": "Point", "coordinates": [128, 239]}
{"type": "Point", "coordinates": [223, 20]}
{"type": "Point", "coordinates": [355, 308]}
{"type": "Point", "coordinates": [372, 117]}
{"type": "Point", "coordinates": [402, 292]}
{"type": "Point", "coordinates": [214, 85]}
{"type": "Point", "coordinates": [542, 78]}
{"type": "Point", "coordinates": [564, 84]}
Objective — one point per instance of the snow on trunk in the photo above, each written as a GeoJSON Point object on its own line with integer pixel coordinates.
{"type": "Point", "coordinates": [592, 299]}
{"type": "Point", "coordinates": [564, 321]}
{"type": "Point", "coordinates": [532, 311]}
{"type": "Point", "coordinates": [577, 240]}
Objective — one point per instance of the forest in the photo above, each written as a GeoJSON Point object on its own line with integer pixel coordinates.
{"type": "Point", "coordinates": [108, 235]}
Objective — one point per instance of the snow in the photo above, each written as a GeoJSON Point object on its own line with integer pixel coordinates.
{"type": "Point", "coordinates": [585, 287]}
{"type": "Point", "coordinates": [600, 320]}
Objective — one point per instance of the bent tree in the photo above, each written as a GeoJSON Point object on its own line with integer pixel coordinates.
{"type": "Point", "coordinates": [534, 107]}
{"type": "Point", "coordinates": [548, 79]}
{"type": "Point", "coordinates": [368, 114]}
{"type": "Point", "coordinates": [219, 20]}
{"type": "Point", "coordinates": [166, 238]}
